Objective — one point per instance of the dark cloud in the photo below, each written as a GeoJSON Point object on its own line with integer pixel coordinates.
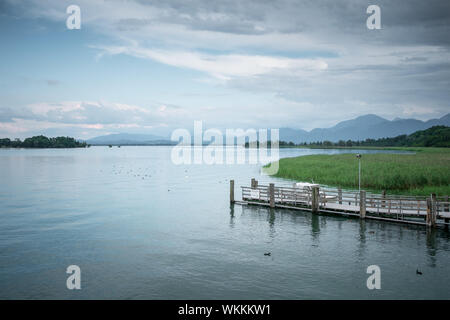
{"type": "Point", "coordinates": [404, 23]}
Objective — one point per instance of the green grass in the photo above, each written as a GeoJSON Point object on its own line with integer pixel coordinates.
{"type": "Point", "coordinates": [423, 173]}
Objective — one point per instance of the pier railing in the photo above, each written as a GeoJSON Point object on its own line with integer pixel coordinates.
{"type": "Point", "coordinates": [431, 211]}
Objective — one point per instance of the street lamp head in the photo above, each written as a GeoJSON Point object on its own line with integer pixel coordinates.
{"type": "Point", "coordinates": [358, 156]}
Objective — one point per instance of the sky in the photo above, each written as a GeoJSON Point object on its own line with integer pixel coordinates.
{"type": "Point", "coordinates": [153, 66]}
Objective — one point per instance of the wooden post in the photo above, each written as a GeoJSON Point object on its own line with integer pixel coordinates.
{"type": "Point", "coordinates": [231, 191]}
{"type": "Point", "coordinates": [340, 196]}
{"type": "Point", "coordinates": [272, 195]}
{"type": "Point", "coordinates": [433, 209]}
{"type": "Point", "coordinates": [256, 183]}
{"type": "Point", "coordinates": [383, 202]}
{"type": "Point", "coordinates": [446, 220]}
{"type": "Point", "coordinates": [362, 204]}
{"type": "Point", "coordinates": [253, 183]}
{"type": "Point", "coordinates": [315, 199]}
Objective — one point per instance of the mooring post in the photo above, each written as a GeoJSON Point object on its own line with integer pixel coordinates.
{"type": "Point", "coordinates": [446, 220]}
{"type": "Point", "coordinates": [433, 209]}
{"type": "Point", "coordinates": [362, 204]}
{"type": "Point", "coordinates": [231, 191]}
{"type": "Point", "coordinates": [315, 199]}
{"type": "Point", "coordinates": [383, 202]}
{"type": "Point", "coordinates": [253, 183]}
{"type": "Point", "coordinates": [340, 196]}
{"type": "Point", "coordinates": [272, 195]}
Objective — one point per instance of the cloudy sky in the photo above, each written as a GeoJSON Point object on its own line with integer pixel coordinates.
{"type": "Point", "coordinates": [151, 66]}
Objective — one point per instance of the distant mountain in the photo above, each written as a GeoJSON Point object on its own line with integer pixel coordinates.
{"type": "Point", "coordinates": [129, 139]}
{"type": "Point", "coordinates": [288, 134]}
{"type": "Point", "coordinates": [361, 128]}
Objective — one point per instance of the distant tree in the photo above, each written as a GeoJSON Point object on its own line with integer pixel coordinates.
{"type": "Point", "coordinates": [5, 142]}
{"type": "Point", "coordinates": [437, 136]}
{"type": "Point", "coordinates": [43, 142]}
{"type": "Point", "coordinates": [36, 142]}
{"type": "Point", "coordinates": [16, 143]}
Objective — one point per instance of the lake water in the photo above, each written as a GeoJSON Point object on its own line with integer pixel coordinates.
{"type": "Point", "coordinates": [140, 227]}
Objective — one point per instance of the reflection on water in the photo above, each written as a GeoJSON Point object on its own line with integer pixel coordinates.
{"type": "Point", "coordinates": [231, 215]}
{"type": "Point", "coordinates": [431, 247]}
{"type": "Point", "coordinates": [340, 243]}
{"type": "Point", "coordinates": [140, 227]}
{"type": "Point", "coordinates": [315, 228]}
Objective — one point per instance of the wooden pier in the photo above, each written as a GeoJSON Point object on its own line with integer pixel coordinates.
{"type": "Point", "coordinates": [431, 211]}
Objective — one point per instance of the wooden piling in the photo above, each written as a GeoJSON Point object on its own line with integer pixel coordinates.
{"type": "Point", "coordinates": [272, 195]}
{"type": "Point", "coordinates": [383, 202]}
{"type": "Point", "coordinates": [253, 183]}
{"type": "Point", "coordinates": [433, 209]}
{"type": "Point", "coordinates": [340, 196]}
{"type": "Point", "coordinates": [362, 204]}
{"type": "Point", "coordinates": [231, 191]}
{"type": "Point", "coordinates": [446, 207]}
{"type": "Point", "coordinates": [428, 216]}
{"type": "Point", "coordinates": [315, 199]}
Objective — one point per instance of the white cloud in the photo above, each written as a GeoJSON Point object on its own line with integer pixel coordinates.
{"type": "Point", "coordinates": [222, 66]}
{"type": "Point", "coordinates": [42, 109]}
{"type": "Point", "coordinates": [90, 115]}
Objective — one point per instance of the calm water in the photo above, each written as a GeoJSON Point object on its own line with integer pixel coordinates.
{"type": "Point", "coordinates": [140, 227]}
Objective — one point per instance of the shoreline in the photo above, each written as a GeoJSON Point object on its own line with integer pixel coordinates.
{"type": "Point", "coordinates": [420, 173]}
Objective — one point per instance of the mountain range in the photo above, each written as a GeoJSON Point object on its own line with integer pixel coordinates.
{"type": "Point", "coordinates": [361, 128]}
{"type": "Point", "coordinates": [130, 139]}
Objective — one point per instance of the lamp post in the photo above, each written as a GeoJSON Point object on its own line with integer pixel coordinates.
{"type": "Point", "coordinates": [359, 171]}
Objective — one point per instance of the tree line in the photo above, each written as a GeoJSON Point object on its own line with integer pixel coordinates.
{"type": "Point", "coordinates": [436, 136]}
{"type": "Point", "coordinates": [43, 142]}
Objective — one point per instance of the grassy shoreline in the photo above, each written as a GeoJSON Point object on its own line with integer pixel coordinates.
{"type": "Point", "coordinates": [424, 172]}
{"type": "Point", "coordinates": [413, 149]}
